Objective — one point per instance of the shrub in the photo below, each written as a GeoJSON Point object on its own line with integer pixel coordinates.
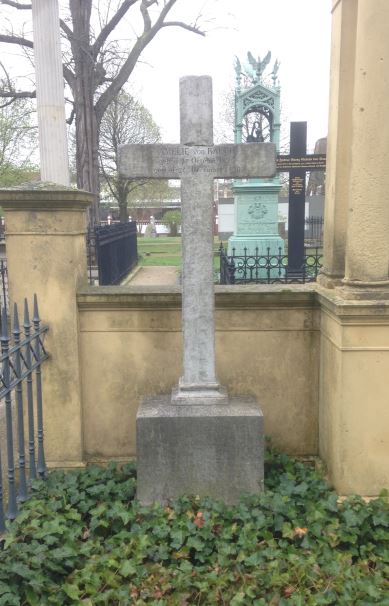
{"type": "Point", "coordinates": [83, 539]}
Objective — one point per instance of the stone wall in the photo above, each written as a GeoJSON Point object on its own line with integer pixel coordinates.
{"type": "Point", "coordinates": [267, 345]}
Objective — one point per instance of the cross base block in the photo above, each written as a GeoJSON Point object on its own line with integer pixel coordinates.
{"type": "Point", "coordinates": [211, 450]}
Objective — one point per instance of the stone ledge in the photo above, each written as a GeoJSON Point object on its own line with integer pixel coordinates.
{"type": "Point", "coordinates": [47, 197]}
{"type": "Point", "coordinates": [146, 297]}
{"type": "Point", "coordinates": [352, 311]}
{"type": "Point", "coordinates": [308, 296]}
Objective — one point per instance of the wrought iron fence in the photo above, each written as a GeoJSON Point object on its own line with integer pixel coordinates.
{"type": "Point", "coordinates": [112, 252]}
{"type": "Point", "coordinates": [22, 354]}
{"type": "Point", "coordinates": [313, 234]}
{"type": "Point", "coordinates": [3, 284]}
{"type": "Point", "coordinates": [266, 269]}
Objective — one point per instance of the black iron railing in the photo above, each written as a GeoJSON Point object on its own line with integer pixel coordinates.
{"type": "Point", "coordinates": [3, 284]}
{"type": "Point", "coordinates": [313, 234]}
{"type": "Point", "coordinates": [112, 252]}
{"type": "Point", "coordinates": [22, 354]}
{"type": "Point", "coordinates": [266, 269]}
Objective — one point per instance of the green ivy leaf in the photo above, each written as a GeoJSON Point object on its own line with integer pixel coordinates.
{"type": "Point", "coordinates": [127, 569]}
{"type": "Point", "coordinates": [71, 590]}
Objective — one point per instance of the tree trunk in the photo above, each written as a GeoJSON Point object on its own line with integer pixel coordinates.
{"type": "Point", "coordinates": [83, 92]}
{"type": "Point", "coordinates": [123, 213]}
{"type": "Point", "coordinates": [122, 187]}
{"type": "Point", "coordinates": [87, 145]}
{"type": "Point", "coordinates": [173, 230]}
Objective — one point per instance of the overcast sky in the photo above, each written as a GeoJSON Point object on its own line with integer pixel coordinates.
{"type": "Point", "coordinates": [297, 32]}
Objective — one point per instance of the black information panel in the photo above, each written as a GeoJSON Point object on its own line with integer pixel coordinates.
{"type": "Point", "coordinates": [297, 164]}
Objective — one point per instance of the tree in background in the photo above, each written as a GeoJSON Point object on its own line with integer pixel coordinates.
{"type": "Point", "coordinates": [172, 218]}
{"type": "Point", "coordinates": [96, 67]}
{"type": "Point", "coordinates": [18, 142]}
{"type": "Point", "coordinates": [127, 121]}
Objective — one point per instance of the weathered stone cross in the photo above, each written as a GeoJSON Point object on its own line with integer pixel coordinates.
{"type": "Point", "coordinates": [197, 162]}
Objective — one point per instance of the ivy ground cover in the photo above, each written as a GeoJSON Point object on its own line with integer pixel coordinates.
{"type": "Point", "coordinates": [84, 540]}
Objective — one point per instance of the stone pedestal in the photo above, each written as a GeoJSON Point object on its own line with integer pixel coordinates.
{"type": "Point", "coordinates": [256, 226]}
{"type": "Point", "coordinates": [353, 394]}
{"type": "Point", "coordinates": [46, 254]}
{"type": "Point", "coordinates": [209, 450]}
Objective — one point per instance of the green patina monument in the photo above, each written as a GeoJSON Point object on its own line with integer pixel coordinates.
{"type": "Point", "coordinates": [257, 120]}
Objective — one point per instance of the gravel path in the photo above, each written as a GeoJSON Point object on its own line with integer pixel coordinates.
{"type": "Point", "coordinates": [160, 276]}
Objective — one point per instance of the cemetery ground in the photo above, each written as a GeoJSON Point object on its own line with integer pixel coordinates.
{"type": "Point", "coordinates": [163, 250]}
{"type": "Point", "coordinates": [84, 539]}
{"type": "Point", "coordinates": [166, 250]}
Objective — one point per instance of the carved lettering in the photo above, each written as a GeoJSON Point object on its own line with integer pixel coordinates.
{"type": "Point", "coordinates": [180, 161]}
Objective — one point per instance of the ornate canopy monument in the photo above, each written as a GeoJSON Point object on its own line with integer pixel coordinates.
{"type": "Point", "coordinates": [257, 120]}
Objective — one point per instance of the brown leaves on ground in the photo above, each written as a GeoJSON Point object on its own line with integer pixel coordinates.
{"type": "Point", "coordinates": [199, 519]}
{"type": "Point", "coordinates": [289, 590]}
{"type": "Point", "coordinates": [300, 532]}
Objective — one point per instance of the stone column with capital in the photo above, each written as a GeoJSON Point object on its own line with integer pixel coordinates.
{"type": "Point", "coordinates": [53, 148]}
{"type": "Point", "coordinates": [343, 41]}
{"type": "Point", "coordinates": [46, 255]}
{"type": "Point", "coordinates": [354, 354]}
{"type": "Point", "coordinates": [367, 249]}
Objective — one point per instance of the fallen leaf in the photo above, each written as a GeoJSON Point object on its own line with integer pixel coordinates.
{"type": "Point", "coordinates": [300, 532]}
{"type": "Point", "coordinates": [199, 520]}
{"type": "Point", "coordinates": [288, 591]}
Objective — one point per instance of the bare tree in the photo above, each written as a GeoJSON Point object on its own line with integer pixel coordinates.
{"type": "Point", "coordinates": [96, 69]}
{"type": "Point", "coordinates": [125, 121]}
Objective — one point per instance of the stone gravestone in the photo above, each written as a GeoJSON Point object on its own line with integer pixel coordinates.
{"type": "Point", "coordinates": [197, 440]}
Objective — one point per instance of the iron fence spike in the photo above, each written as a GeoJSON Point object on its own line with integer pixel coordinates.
{"type": "Point", "coordinates": [22, 493]}
{"type": "Point", "coordinates": [16, 325]}
{"type": "Point", "coordinates": [4, 325]}
{"type": "Point", "coordinates": [26, 322]}
{"type": "Point", "coordinates": [36, 318]}
{"type": "Point", "coordinates": [2, 517]}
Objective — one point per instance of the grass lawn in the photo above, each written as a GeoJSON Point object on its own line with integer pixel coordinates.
{"type": "Point", "coordinates": [84, 540]}
{"type": "Point", "coordinates": [159, 251]}
{"type": "Point", "coordinates": [165, 251]}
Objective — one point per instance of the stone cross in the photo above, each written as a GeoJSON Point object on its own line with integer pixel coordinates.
{"type": "Point", "coordinates": [197, 162]}
{"type": "Point", "coordinates": [50, 92]}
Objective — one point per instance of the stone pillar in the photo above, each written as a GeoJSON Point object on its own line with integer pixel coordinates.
{"type": "Point", "coordinates": [354, 358]}
{"type": "Point", "coordinates": [46, 254]}
{"type": "Point", "coordinates": [344, 18]}
{"type": "Point", "coordinates": [50, 92]}
{"type": "Point", "coordinates": [367, 250]}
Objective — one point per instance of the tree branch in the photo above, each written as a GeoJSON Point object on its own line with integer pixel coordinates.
{"type": "Point", "coordinates": [191, 28]}
{"type": "Point", "coordinates": [18, 95]}
{"type": "Point", "coordinates": [71, 117]}
{"type": "Point", "coordinates": [13, 96]}
{"type": "Point", "coordinates": [16, 40]}
{"type": "Point", "coordinates": [110, 26]}
{"type": "Point", "coordinates": [16, 4]}
{"type": "Point", "coordinates": [66, 29]}
{"type": "Point", "coordinates": [67, 73]}
{"type": "Point", "coordinates": [69, 76]}
{"type": "Point", "coordinates": [128, 66]}
{"type": "Point", "coordinates": [145, 14]}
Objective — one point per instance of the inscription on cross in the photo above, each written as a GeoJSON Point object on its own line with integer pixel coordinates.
{"type": "Point", "coordinates": [197, 162]}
